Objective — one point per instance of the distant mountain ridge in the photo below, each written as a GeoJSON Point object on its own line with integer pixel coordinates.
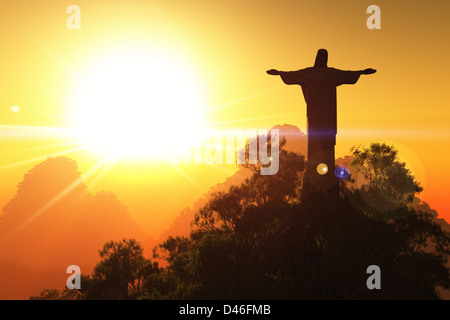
{"type": "Point", "coordinates": [52, 222]}
{"type": "Point", "coordinates": [38, 241]}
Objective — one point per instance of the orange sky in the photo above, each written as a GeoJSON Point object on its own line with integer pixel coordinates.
{"type": "Point", "coordinates": [229, 45]}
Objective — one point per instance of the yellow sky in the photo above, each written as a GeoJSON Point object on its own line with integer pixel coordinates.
{"type": "Point", "coordinates": [229, 45]}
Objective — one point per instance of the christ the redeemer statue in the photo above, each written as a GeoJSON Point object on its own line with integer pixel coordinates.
{"type": "Point", "coordinates": [319, 89]}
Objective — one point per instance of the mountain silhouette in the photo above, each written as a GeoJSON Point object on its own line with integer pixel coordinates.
{"type": "Point", "coordinates": [54, 221]}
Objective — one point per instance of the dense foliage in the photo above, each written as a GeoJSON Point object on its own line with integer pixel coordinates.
{"type": "Point", "coordinates": [263, 240]}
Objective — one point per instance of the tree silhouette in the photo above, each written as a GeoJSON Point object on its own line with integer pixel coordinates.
{"type": "Point", "coordinates": [388, 183]}
{"type": "Point", "coordinates": [53, 294]}
{"type": "Point", "coordinates": [119, 275]}
{"type": "Point", "coordinates": [251, 243]}
{"type": "Point", "coordinates": [265, 240]}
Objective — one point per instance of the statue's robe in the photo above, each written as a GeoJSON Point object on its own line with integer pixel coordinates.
{"type": "Point", "coordinates": [319, 89]}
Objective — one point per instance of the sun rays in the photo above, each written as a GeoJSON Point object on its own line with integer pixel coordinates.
{"type": "Point", "coordinates": [40, 158]}
{"type": "Point", "coordinates": [52, 141]}
{"type": "Point", "coordinates": [105, 163]}
{"type": "Point", "coordinates": [69, 146]}
{"type": "Point", "coordinates": [228, 104]}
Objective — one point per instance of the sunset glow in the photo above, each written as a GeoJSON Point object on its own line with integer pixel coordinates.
{"type": "Point", "coordinates": [123, 119]}
{"type": "Point", "coordinates": [137, 103]}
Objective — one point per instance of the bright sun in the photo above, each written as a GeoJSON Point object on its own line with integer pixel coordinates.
{"type": "Point", "coordinates": [138, 103]}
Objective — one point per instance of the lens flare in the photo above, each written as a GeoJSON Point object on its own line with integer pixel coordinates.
{"type": "Point", "coordinates": [322, 169]}
{"type": "Point", "coordinates": [342, 173]}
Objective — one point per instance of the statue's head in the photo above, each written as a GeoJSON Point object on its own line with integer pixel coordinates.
{"type": "Point", "coordinates": [321, 58]}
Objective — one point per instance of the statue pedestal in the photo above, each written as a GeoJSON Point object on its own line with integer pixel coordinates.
{"type": "Point", "coordinates": [320, 167]}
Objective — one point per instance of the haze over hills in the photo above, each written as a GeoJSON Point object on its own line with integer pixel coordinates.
{"type": "Point", "coordinates": [53, 221]}
{"type": "Point", "coordinates": [296, 141]}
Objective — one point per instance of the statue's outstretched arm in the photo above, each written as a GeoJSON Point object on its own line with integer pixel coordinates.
{"type": "Point", "coordinates": [368, 71]}
{"type": "Point", "coordinates": [289, 77]}
{"type": "Point", "coordinates": [273, 72]}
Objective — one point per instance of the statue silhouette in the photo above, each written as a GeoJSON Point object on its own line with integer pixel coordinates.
{"type": "Point", "coordinates": [319, 90]}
